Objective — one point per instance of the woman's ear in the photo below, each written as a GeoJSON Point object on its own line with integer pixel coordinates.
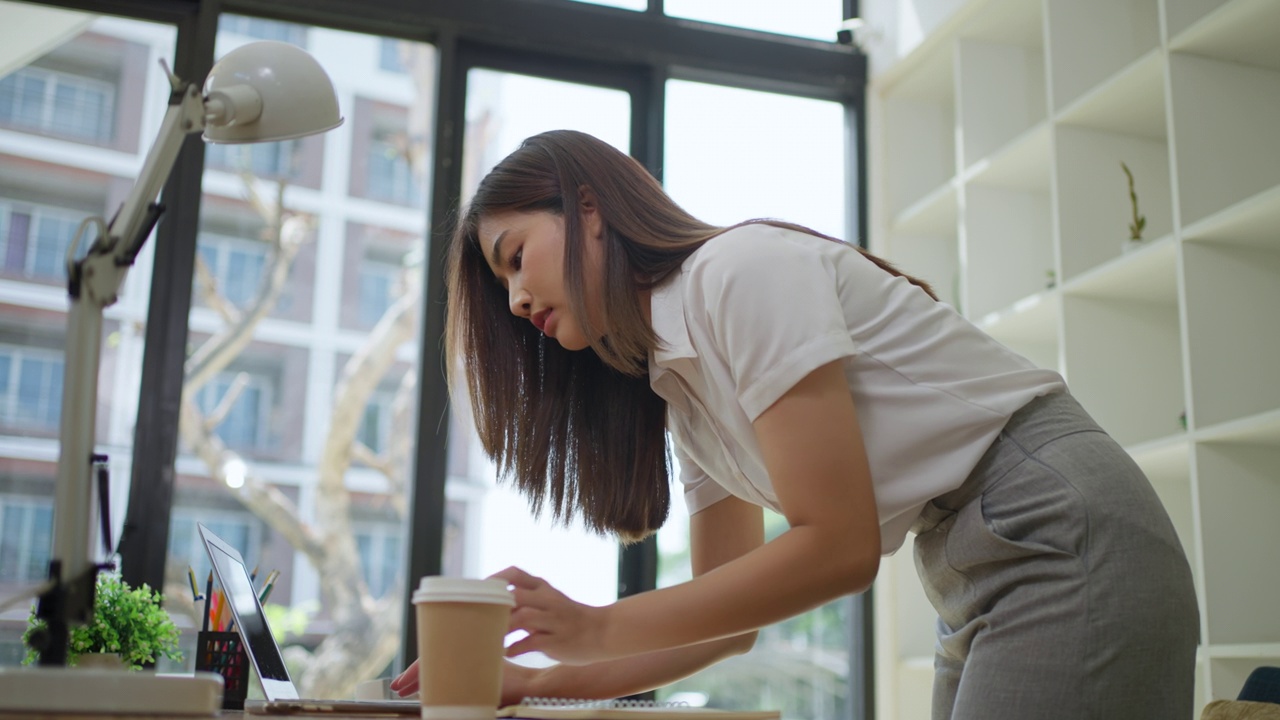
{"type": "Point", "coordinates": [589, 212]}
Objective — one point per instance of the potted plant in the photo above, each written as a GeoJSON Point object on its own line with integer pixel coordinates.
{"type": "Point", "coordinates": [1139, 222]}
{"type": "Point", "coordinates": [127, 622]}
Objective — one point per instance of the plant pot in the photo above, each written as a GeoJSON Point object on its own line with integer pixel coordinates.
{"type": "Point", "coordinates": [101, 661]}
{"type": "Point", "coordinates": [1130, 245]}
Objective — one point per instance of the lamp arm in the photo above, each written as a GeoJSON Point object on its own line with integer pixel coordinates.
{"type": "Point", "coordinates": [93, 284]}
{"type": "Point", "coordinates": [133, 223]}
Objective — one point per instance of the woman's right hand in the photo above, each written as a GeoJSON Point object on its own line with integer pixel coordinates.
{"type": "Point", "coordinates": [406, 683]}
{"type": "Point", "coordinates": [517, 682]}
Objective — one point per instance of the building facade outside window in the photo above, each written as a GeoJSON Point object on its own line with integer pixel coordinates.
{"type": "Point", "coordinates": [26, 533]}
{"type": "Point", "coordinates": [245, 413]}
{"type": "Point", "coordinates": [58, 103]}
{"type": "Point", "coordinates": [235, 265]}
{"type": "Point", "coordinates": [265, 160]}
{"type": "Point", "coordinates": [263, 29]}
{"type": "Point", "coordinates": [30, 387]}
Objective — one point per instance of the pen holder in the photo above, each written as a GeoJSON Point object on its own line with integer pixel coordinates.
{"type": "Point", "coordinates": [223, 653]}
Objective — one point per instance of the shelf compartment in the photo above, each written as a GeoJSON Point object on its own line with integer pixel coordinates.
{"type": "Point", "coordinates": [1242, 31]}
{"type": "Point", "coordinates": [1260, 429]}
{"type": "Point", "coordinates": [1131, 103]}
{"type": "Point", "coordinates": [1022, 163]}
{"type": "Point", "coordinates": [1252, 221]}
{"type": "Point", "coordinates": [1091, 40]}
{"type": "Point", "coordinates": [1182, 14]}
{"type": "Point", "coordinates": [934, 259]}
{"type": "Point", "coordinates": [1229, 674]}
{"type": "Point", "coordinates": [919, 130]}
{"type": "Point", "coordinates": [914, 639]}
{"type": "Point", "coordinates": [1239, 492]}
{"type": "Point", "coordinates": [1233, 371]}
{"type": "Point", "coordinates": [1094, 209]}
{"type": "Point", "coordinates": [933, 214]}
{"type": "Point", "coordinates": [1123, 360]}
{"type": "Point", "coordinates": [1008, 239]}
{"type": "Point", "coordinates": [1011, 22]}
{"type": "Point", "coordinates": [1167, 464]}
{"type": "Point", "coordinates": [1029, 328]}
{"type": "Point", "coordinates": [1248, 651]}
{"type": "Point", "coordinates": [1148, 274]}
{"type": "Point", "coordinates": [914, 692]}
{"type": "Point", "coordinates": [1224, 121]}
{"type": "Point", "coordinates": [1000, 94]}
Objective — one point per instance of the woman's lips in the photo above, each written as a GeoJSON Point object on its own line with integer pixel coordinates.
{"type": "Point", "coordinates": [539, 320]}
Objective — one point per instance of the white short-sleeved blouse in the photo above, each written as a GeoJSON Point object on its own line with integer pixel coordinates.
{"type": "Point", "coordinates": [756, 309]}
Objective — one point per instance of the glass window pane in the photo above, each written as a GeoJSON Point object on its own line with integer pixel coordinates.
{"type": "Point", "coordinates": [794, 171]}
{"type": "Point", "coordinates": [274, 447]}
{"type": "Point", "coordinates": [817, 19]}
{"type": "Point", "coordinates": [502, 110]}
{"type": "Point", "coordinates": [624, 4]}
{"type": "Point", "coordinates": [61, 97]}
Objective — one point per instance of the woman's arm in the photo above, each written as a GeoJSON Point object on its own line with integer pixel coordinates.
{"type": "Point", "coordinates": [813, 450]}
{"type": "Point", "coordinates": [720, 533]}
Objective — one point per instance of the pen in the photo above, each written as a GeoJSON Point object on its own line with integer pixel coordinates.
{"type": "Point", "coordinates": [267, 587]}
{"type": "Point", "coordinates": [219, 618]}
{"type": "Point", "coordinates": [253, 575]}
{"type": "Point", "coordinates": [195, 591]}
{"type": "Point", "coordinates": [208, 602]}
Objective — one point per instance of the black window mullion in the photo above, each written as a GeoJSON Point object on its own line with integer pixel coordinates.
{"type": "Point", "coordinates": [638, 563]}
{"type": "Point", "coordinates": [427, 504]}
{"type": "Point", "coordinates": [144, 541]}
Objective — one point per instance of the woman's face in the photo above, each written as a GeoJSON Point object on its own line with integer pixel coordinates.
{"type": "Point", "coordinates": [525, 250]}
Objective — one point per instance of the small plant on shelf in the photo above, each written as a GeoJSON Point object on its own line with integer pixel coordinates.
{"type": "Point", "coordinates": [129, 622]}
{"type": "Point", "coordinates": [1139, 222]}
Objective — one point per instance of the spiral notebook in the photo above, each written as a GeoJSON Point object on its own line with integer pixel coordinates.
{"type": "Point", "coordinates": [570, 709]}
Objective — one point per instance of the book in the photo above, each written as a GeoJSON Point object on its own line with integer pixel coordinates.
{"type": "Point", "coordinates": [571, 709]}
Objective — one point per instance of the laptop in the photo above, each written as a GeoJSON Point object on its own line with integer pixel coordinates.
{"type": "Point", "coordinates": [264, 654]}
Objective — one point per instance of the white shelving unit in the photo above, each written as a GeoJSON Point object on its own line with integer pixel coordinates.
{"type": "Point", "coordinates": [996, 144]}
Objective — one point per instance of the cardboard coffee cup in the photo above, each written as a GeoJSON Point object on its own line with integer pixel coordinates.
{"type": "Point", "coordinates": [461, 626]}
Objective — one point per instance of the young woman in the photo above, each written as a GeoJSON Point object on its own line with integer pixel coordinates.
{"type": "Point", "coordinates": [590, 316]}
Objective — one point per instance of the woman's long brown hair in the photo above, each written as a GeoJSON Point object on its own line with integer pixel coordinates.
{"type": "Point", "coordinates": [579, 432]}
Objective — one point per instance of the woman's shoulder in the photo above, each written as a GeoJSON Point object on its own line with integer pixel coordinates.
{"type": "Point", "coordinates": [755, 244]}
{"type": "Point", "coordinates": [759, 259]}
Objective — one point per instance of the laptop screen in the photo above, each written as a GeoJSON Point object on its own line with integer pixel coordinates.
{"type": "Point", "coordinates": [250, 620]}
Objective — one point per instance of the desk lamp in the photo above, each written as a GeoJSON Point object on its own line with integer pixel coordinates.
{"type": "Point", "coordinates": [260, 92]}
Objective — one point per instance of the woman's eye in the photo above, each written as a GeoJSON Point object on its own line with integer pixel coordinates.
{"type": "Point", "coordinates": [516, 259]}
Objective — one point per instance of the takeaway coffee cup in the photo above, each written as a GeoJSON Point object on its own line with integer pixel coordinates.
{"type": "Point", "coordinates": [461, 626]}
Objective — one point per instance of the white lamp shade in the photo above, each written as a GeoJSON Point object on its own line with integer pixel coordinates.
{"type": "Point", "coordinates": [266, 91]}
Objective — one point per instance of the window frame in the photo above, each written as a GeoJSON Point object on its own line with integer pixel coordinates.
{"type": "Point", "coordinates": [573, 35]}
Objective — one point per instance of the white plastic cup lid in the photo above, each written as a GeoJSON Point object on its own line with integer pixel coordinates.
{"type": "Point", "coordinates": [437, 588]}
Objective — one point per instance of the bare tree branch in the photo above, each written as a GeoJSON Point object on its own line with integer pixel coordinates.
{"type": "Point", "coordinates": [215, 418]}
{"type": "Point", "coordinates": [365, 631]}
{"type": "Point", "coordinates": [207, 285]}
{"type": "Point", "coordinates": [266, 501]}
{"type": "Point", "coordinates": [220, 350]}
{"type": "Point", "coordinates": [365, 455]}
{"type": "Point", "coordinates": [272, 215]}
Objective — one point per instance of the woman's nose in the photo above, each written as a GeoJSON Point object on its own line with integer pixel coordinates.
{"type": "Point", "coordinates": [521, 303]}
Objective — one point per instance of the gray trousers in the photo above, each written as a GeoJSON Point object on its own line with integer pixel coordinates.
{"type": "Point", "coordinates": [1061, 588]}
